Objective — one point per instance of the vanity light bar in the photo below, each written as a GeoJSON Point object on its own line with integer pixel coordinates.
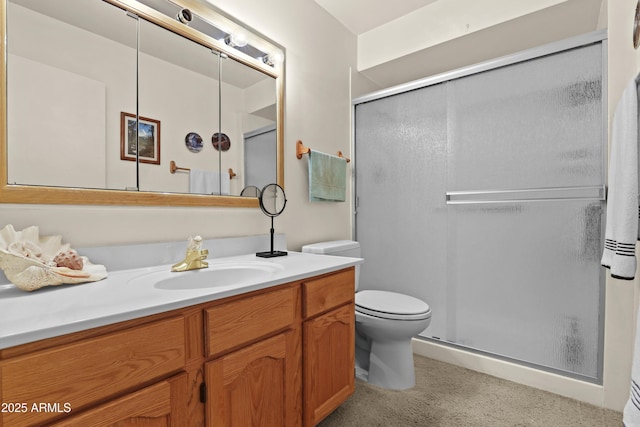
{"type": "Point", "coordinates": [237, 39]}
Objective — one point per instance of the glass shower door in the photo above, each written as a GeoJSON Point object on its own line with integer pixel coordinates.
{"type": "Point", "coordinates": [525, 196]}
{"type": "Point", "coordinates": [483, 195]}
{"type": "Point", "coordinates": [400, 183]}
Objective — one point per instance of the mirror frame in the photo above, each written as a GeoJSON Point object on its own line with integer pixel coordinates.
{"type": "Point", "coordinates": [26, 194]}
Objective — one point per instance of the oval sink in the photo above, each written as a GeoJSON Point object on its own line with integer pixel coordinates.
{"type": "Point", "coordinates": [218, 274]}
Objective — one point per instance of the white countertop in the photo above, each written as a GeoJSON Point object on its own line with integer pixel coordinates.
{"type": "Point", "coordinates": [58, 310]}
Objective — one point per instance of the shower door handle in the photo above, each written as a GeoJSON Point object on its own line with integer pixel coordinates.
{"type": "Point", "coordinates": [525, 195]}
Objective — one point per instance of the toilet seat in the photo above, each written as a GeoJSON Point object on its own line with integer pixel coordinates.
{"type": "Point", "coordinates": [391, 305]}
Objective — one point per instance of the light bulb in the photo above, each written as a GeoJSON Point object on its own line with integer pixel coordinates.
{"type": "Point", "coordinates": [236, 40]}
{"type": "Point", "coordinates": [272, 59]}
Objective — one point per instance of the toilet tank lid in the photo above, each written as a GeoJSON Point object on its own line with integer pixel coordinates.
{"type": "Point", "coordinates": [330, 247]}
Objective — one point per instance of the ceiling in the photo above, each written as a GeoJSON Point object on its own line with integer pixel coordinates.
{"type": "Point", "coordinates": [350, 12]}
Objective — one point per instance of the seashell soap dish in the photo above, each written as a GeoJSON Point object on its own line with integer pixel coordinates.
{"type": "Point", "coordinates": [31, 261]}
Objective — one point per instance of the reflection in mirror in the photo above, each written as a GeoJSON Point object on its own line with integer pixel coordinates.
{"type": "Point", "coordinates": [106, 94]}
{"type": "Point", "coordinates": [71, 70]}
{"type": "Point", "coordinates": [178, 86]}
{"type": "Point", "coordinates": [248, 119]}
{"type": "Point", "coordinates": [260, 156]}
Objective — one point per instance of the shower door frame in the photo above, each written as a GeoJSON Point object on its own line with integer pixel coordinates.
{"type": "Point", "coordinates": [455, 197]}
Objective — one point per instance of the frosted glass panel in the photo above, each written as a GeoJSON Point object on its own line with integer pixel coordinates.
{"type": "Point", "coordinates": [524, 281]}
{"type": "Point", "coordinates": [401, 176]}
{"type": "Point", "coordinates": [260, 150]}
{"type": "Point", "coordinates": [543, 116]}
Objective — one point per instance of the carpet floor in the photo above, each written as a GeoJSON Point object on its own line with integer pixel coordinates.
{"type": "Point", "coordinates": [447, 395]}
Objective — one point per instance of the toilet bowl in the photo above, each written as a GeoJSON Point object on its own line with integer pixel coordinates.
{"type": "Point", "coordinates": [388, 321]}
{"type": "Point", "coordinates": [385, 323]}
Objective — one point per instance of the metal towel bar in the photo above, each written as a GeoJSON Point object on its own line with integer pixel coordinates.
{"type": "Point", "coordinates": [526, 195]}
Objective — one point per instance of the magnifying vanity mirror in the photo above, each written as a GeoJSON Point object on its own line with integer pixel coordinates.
{"type": "Point", "coordinates": [136, 102]}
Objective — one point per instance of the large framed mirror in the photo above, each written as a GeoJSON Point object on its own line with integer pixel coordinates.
{"type": "Point", "coordinates": [150, 102]}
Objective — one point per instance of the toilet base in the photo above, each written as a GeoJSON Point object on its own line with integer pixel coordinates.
{"type": "Point", "coordinates": [391, 365]}
{"type": "Point", "coordinates": [387, 364]}
{"type": "Point", "coordinates": [383, 349]}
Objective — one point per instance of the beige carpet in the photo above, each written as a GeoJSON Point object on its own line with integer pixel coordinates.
{"type": "Point", "coordinates": [447, 395]}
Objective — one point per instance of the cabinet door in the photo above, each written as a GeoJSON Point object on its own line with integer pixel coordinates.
{"type": "Point", "coordinates": [149, 407]}
{"type": "Point", "coordinates": [328, 354]}
{"type": "Point", "coordinates": [256, 385]}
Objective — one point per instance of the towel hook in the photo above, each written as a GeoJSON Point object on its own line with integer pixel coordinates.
{"type": "Point", "coordinates": [301, 149]}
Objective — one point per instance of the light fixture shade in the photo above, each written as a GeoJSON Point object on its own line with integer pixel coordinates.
{"type": "Point", "coordinates": [185, 16]}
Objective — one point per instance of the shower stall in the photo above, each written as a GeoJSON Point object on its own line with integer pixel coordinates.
{"type": "Point", "coordinates": [481, 191]}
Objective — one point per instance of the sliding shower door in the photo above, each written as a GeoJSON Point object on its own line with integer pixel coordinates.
{"type": "Point", "coordinates": [525, 187]}
{"type": "Point", "coordinates": [483, 195]}
{"type": "Point", "coordinates": [401, 178]}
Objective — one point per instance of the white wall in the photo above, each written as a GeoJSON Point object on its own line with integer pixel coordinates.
{"type": "Point", "coordinates": [51, 146]}
{"type": "Point", "coordinates": [432, 25]}
{"type": "Point", "coordinates": [447, 35]}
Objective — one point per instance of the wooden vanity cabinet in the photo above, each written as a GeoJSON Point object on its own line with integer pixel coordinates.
{"type": "Point", "coordinates": [253, 378]}
{"type": "Point", "coordinates": [328, 344]}
{"type": "Point", "coordinates": [282, 356]}
{"type": "Point", "coordinates": [71, 375]}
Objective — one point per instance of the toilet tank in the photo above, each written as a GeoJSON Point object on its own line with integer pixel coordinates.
{"type": "Point", "coordinates": [348, 248]}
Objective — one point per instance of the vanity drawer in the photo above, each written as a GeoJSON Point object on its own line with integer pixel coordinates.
{"type": "Point", "coordinates": [242, 321]}
{"type": "Point", "coordinates": [326, 292]}
{"type": "Point", "coordinates": [149, 406]}
{"type": "Point", "coordinates": [79, 374]}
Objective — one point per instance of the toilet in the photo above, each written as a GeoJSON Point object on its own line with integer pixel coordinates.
{"type": "Point", "coordinates": [385, 323]}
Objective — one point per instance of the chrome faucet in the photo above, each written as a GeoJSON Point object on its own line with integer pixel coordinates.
{"type": "Point", "coordinates": [195, 257]}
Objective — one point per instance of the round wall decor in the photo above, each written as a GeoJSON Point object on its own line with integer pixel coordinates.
{"type": "Point", "coordinates": [221, 141]}
{"type": "Point", "coordinates": [193, 141]}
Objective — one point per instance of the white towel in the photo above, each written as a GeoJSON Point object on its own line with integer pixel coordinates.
{"type": "Point", "coordinates": [621, 232]}
{"type": "Point", "coordinates": [207, 182]}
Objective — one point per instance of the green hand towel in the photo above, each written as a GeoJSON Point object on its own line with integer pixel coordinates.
{"type": "Point", "coordinates": [327, 177]}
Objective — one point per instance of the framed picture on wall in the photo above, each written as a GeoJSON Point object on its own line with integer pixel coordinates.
{"type": "Point", "coordinates": [148, 140]}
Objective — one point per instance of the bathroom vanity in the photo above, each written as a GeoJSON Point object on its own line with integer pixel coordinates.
{"type": "Point", "coordinates": [276, 350]}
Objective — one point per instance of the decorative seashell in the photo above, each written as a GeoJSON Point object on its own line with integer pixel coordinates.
{"type": "Point", "coordinates": [26, 249]}
{"type": "Point", "coordinates": [69, 259]}
{"type": "Point", "coordinates": [30, 261]}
